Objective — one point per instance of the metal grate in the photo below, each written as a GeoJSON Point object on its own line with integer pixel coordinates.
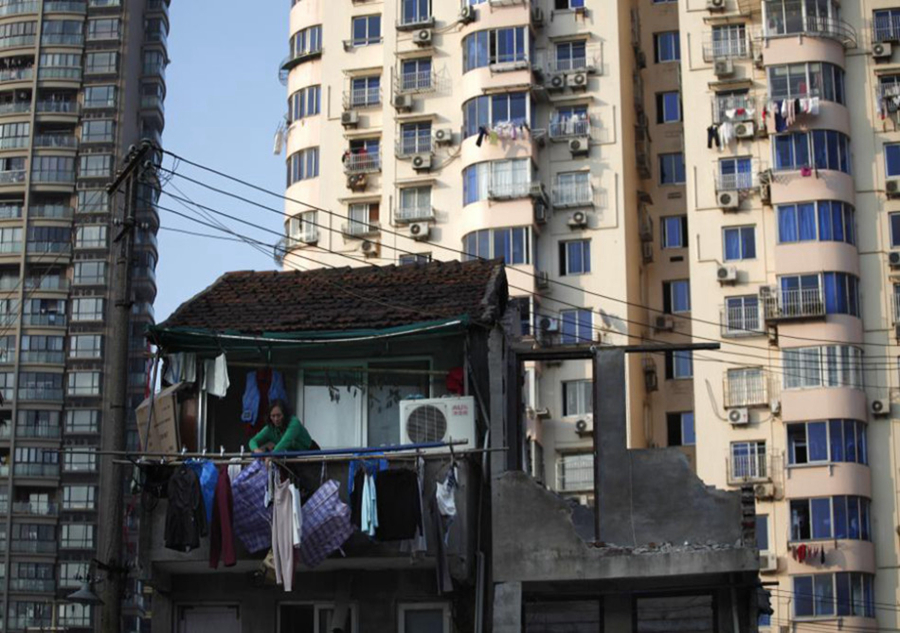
{"type": "Point", "coordinates": [426, 423]}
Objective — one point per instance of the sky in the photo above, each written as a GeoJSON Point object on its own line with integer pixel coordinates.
{"type": "Point", "coordinates": [223, 105]}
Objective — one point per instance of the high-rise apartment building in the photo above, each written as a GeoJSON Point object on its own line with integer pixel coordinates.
{"type": "Point", "coordinates": [80, 82]}
{"type": "Point", "coordinates": [691, 171]}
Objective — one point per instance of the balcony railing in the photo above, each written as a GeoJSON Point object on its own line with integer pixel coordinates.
{"type": "Point", "coordinates": [53, 176]}
{"type": "Point", "coordinates": [746, 389]}
{"type": "Point", "coordinates": [741, 321]}
{"type": "Point", "coordinates": [17, 74]}
{"type": "Point", "coordinates": [362, 163]}
{"type": "Point", "coordinates": [13, 142]}
{"type": "Point", "coordinates": [512, 190]}
{"type": "Point", "coordinates": [57, 6]}
{"type": "Point", "coordinates": [577, 194]}
{"type": "Point", "coordinates": [362, 98]}
{"type": "Point", "coordinates": [51, 211]}
{"type": "Point", "coordinates": [32, 584]}
{"type": "Point", "coordinates": [61, 107]}
{"type": "Point", "coordinates": [38, 431]}
{"type": "Point", "coordinates": [8, 248]}
{"type": "Point", "coordinates": [17, 41]}
{"type": "Point", "coordinates": [751, 468]}
{"type": "Point", "coordinates": [36, 470]}
{"type": "Point", "coordinates": [48, 282]}
{"type": "Point", "coordinates": [742, 181]}
{"type": "Point", "coordinates": [15, 107]}
{"type": "Point", "coordinates": [41, 509]}
{"type": "Point", "coordinates": [56, 141]}
{"type": "Point", "coordinates": [785, 305]}
{"type": "Point", "coordinates": [51, 319]}
{"type": "Point", "coordinates": [570, 128]}
{"type": "Point", "coordinates": [412, 145]}
{"type": "Point", "coordinates": [422, 213]}
{"type": "Point", "coordinates": [12, 177]}
{"type": "Point", "coordinates": [358, 228]}
{"type": "Point", "coordinates": [408, 83]}
{"type": "Point", "coordinates": [60, 72]}
{"type": "Point", "coordinates": [10, 211]}
{"type": "Point", "coordinates": [728, 48]}
{"type": "Point", "coordinates": [153, 101]}
{"type": "Point", "coordinates": [33, 547]}
{"type": "Point", "coordinates": [733, 108]}
{"type": "Point", "coordinates": [43, 357]}
{"type": "Point", "coordinates": [575, 473]}
{"type": "Point", "coordinates": [18, 8]}
{"type": "Point", "coordinates": [49, 247]}
{"type": "Point", "coordinates": [814, 27]}
{"type": "Point", "coordinates": [153, 70]}
{"type": "Point", "coordinates": [41, 394]}
{"type": "Point", "coordinates": [62, 39]}
{"type": "Point", "coordinates": [589, 62]}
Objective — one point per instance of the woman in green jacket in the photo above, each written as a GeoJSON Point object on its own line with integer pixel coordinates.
{"type": "Point", "coordinates": [279, 435]}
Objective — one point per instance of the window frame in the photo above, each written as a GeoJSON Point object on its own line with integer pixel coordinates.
{"type": "Point", "coordinates": [367, 39]}
{"type": "Point", "coordinates": [567, 260]}
{"type": "Point", "coordinates": [668, 163]}
{"type": "Point", "coordinates": [403, 607]}
{"type": "Point", "coordinates": [671, 304]}
{"type": "Point", "coordinates": [583, 398]}
{"type": "Point", "coordinates": [746, 243]}
{"type": "Point", "coordinates": [674, 44]}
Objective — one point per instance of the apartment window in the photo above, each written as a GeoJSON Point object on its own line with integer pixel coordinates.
{"type": "Point", "coordinates": [886, 25]}
{"type": "Point", "coordinates": [578, 397]}
{"type": "Point", "coordinates": [571, 55]}
{"type": "Point", "coordinates": [825, 366]}
{"type": "Point", "coordinates": [307, 42]}
{"type": "Point", "coordinates": [671, 169]}
{"type": "Point", "coordinates": [676, 296]}
{"type": "Point", "coordinates": [98, 131]}
{"type": "Point", "coordinates": [82, 460]}
{"type": "Point", "coordinates": [90, 273]}
{"type": "Point", "coordinates": [99, 97]}
{"type": "Point", "coordinates": [415, 138]}
{"type": "Point", "coordinates": [748, 461]}
{"type": "Point", "coordinates": [72, 574]}
{"type": "Point", "coordinates": [364, 217]}
{"type": "Point", "coordinates": [92, 200]}
{"type": "Point", "coordinates": [892, 159]}
{"type": "Point", "coordinates": [103, 29]}
{"type": "Point", "coordinates": [575, 257]}
{"type": "Point", "coordinates": [88, 309]}
{"type": "Point", "coordinates": [822, 149]}
{"type": "Point", "coordinates": [415, 11]}
{"type": "Point", "coordinates": [735, 173]}
{"type": "Point", "coordinates": [742, 315]}
{"type": "Point", "coordinates": [495, 46]}
{"type": "Point", "coordinates": [785, 17]}
{"type": "Point", "coordinates": [415, 203]}
{"type": "Point", "coordinates": [79, 497]}
{"type": "Point", "coordinates": [729, 41]}
{"type": "Point", "coordinates": [76, 536]}
{"type": "Point", "coordinates": [85, 421]}
{"type": "Point", "coordinates": [804, 293]}
{"type": "Point", "coordinates": [424, 618]}
{"type": "Point", "coordinates": [840, 517]}
{"type": "Point", "coordinates": [827, 441]}
{"type": "Point", "coordinates": [576, 326]}
{"type": "Point", "coordinates": [673, 231]}
{"type": "Point", "coordinates": [17, 34]}
{"type": "Point", "coordinates": [679, 365]}
{"type": "Point", "coordinates": [305, 102]}
{"type": "Point", "coordinates": [84, 383]}
{"type": "Point", "coordinates": [54, 168]}
{"type": "Point", "coordinates": [313, 617]}
{"type": "Point", "coordinates": [90, 236]}
{"type": "Point", "coordinates": [304, 227]}
{"type": "Point", "coordinates": [486, 112]}
{"type": "Point", "coordinates": [365, 91]}
{"type": "Point", "coordinates": [101, 63]}
{"type": "Point", "coordinates": [86, 346]}
{"type": "Point", "coordinates": [739, 242]}
{"type": "Point", "coordinates": [668, 107]}
{"type": "Point", "coordinates": [498, 179]}
{"type": "Point", "coordinates": [366, 30]}
{"type": "Point", "coordinates": [801, 81]}
{"type": "Point", "coordinates": [42, 349]}
{"type": "Point", "coordinates": [95, 165]}
{"type": "Point", "coordinates": [14, 135]}
{"type": "Point", "coordinates": [415, 74]}
{"type": "Point", "coordinates": [512, 244]}
{"type": "Point", "coordinates": [680, 429]}
{"type": "Point", "coordinates": [10, 240]}
{"type": "Point", "coordinates": [844, 593]}
{"type": "Point", "coordinates": [666, 47]}
{"type": "Point", "coordinates": [563, 5]}
{"type": "Point", "coordinates": [303, 165]}
{"type": "Point", "coordinates": [414, 258]}
{"type": "Point", "coordinates": [825, 221]}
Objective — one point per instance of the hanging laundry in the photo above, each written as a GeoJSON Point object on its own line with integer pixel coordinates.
{"type": "Point", "coordinates": [822, 557]}
{"type": "Point", "coordinates": [209, 477]}
{"type": "Point", "coordinates": [806, 172]}
{"type": "Point", "coordinates": [215, 376]}
{"type": "Point", "coordinates": [399, 505]}
{"type": "Point", "coordinates": [262, 387]}
{"type": "Point", "coordinates": [726, 133]}
{"type": "Point", "coordinates": [369, 506]}
{"type": "Point", "coordinates": [712, 136]}
{"type": "Point", "coordinates": [802, 551]}
{"type": "Point", "coordinates": [297, 515]}
{"type": "Point", "coordinates": [180, 367]}
{"type": "Point", "coordinates": [234, 468]}
{"type": "Point", "coordinates": [221, 535]}
{"type": "Point", "coordinates": [283, 535]}
{"type": "Point", "coordinates": [814, 106]}
{"type": "Point", "coordinates": [326, 524]}
{"type": "Point", "coordinates": [185, 516]}
{"type": "Point", "coordinates": [252, 520]}
{"type": "Point", "coordinates": [446, 501]}
{"type": "Point", "coordinates": [372, 465]}
{"type": "Point", "coordinates": [482, 132]}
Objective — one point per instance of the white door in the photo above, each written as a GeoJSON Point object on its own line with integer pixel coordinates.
{"type": "Point", "coordinates": [209, 619]}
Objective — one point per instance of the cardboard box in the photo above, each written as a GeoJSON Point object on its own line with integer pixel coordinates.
{"type": "Point", "coordinates": [162, 434]}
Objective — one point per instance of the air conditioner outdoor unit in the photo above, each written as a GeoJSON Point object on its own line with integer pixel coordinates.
{"type": "Point", "coordinates": [726, 274]}
{"type": "Point", "coordinates": [892, 187]}
{"type": "Point", "coordinates": [728, 200]}
{"type": "Point", "coordinates": [549, 324]}
{"type": "Point", "coordinates": [403, 102]}
{"type": "Point", "coordinates": [537, 16]}
{"type": "Point", "coordinates": [556, 83]}
{"type": "Point", "coordinates": [443, 136]}
{"type": "Point", "coordinates": [584, 425]}
{"type": "Point", "coordinates": [764, 491]}
{"type": "Point", "coordinates": [424, 37]}
{"type": "Point", "coordinates": [543, 280]}
{"type": "Point", "coordinates": [541, 212]}
{"type": "Point", "coordinates": [438, 420]}
{"type": "Point", "coordinates": [369, 248]}
{"type": "Point", "coordinates": [467, 15]}
{"type": "Point", "coordinates": [894, 259]}
{"type": "Point", "coordinates": [579, 146]}
{"type": "Point", "coordinates": [419, 230]}
{"type": "Point", "coordinates": [350, 118]}
{"type": "Point", "coordinates": [882, 50]}
{"type": "Point", "coordinates": [768, 562]}
{"type": "Point", "coordinates": [723, 67]}
{"type": "Point", "coordinates": [421, 162]}
{"type": "Point", "coordinates": [578, 220]}
{"type": "Point", "coordinates": [739, 416]}
{"type": "Point", "coordinates": [765, 193]}
{"type": "Point", "coordinates": [880, 407]}
{"type": "Point", "coordinates": [715, 5]}
{"type": "Point", "coordinates": [663, 323]}
{"type": "Point", "coordinates": [745, 130]}
{"type": "Point", "coordinates": [577, 81]}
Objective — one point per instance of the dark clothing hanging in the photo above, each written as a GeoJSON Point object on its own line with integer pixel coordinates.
{"type": "Point", "coordinates": [356, 496]}
{"type": "Point", "coordinates": [482, 132]}
{"type": "Point", "coordinates": [185, 516]}
{"type": "Point", "coordinates": [221, 536]}
{"type": "Point", "coordinates": [399, 505]}
{"type": "Point", "coordinates": [712, 136]}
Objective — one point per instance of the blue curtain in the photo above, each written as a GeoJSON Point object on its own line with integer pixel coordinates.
{"type": "Point", "coordinates": [832, 301]}
{"type": "Point", "coordinates": [818, 441]}
{"type": "Point", "coordinates": [820, 148]}
{"type": "Point", "coordinates": [807, 222]}
{"type": "Point", "coordinates": [784, 152]}
{"type": "Point", "coordinates": [518, 246]}
{"type": "Point", "coordinates": [787, 224]}
{"type": "Point", "coordinates": [801, 150]}
{"type": "Point", "coordinates": [574, 262]}
{"type": "Point", "coordinates": [821, 517]}
{"type": "Point", "coordinates": [732, 244]}
{"type": "Point", "coordinates": [837, 221]}
{"type": "Point", "coordinates": [825, 226]}
{"type": "Point", "coordinates": [748, 242]}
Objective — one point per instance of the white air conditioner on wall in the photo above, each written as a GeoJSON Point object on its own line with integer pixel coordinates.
{"type": "Point", "coordinates": [882, 50]}
{"type": "Point", "coordinates": [728, 200]}
{"type": "Point", "coordinates": [739, 417]}
{"type": "Point", "coordinates": [350, 118]}
{"type": "Point", "coordinates": [745, 129]}
{"type": "Point", "coordinates": [768, 562]}
{"type": "Point", "coordinates": [438, 420]}
{"type": "Point", "coordinates": [577, 81]}
{"type": "Point", "coordinates": [419, 230]}
{"type": "Point", "coordinates": [723, 67]}
{"type": "Point", "coordinates": [880, 407]}
{"type": "Point", "coordinates": [727, 274]}
{"type": "Point", "coordinates": [424, 37]}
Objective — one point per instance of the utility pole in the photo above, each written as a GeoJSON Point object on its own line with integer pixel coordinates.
{"type": "Point", "coordinates": [112, 482]}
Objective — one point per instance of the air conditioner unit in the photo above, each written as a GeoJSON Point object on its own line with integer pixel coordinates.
{"type": "Point", "coordinates": [404, 103]}
{"type": "Point", "coordinates": [647, 252]}
{"type": "Point", "coordinates": [739, 416]}
{"type": "Point", "coordinates": [438, 420]}
{"type": "Point", "coordinates": [443, 136]}
{"type": "Point", "coordinates": [584, 426]}
{"type": "Point", "coordinates": [894, 259]}
{"type": "Point", "coordinates": [549, 324]}
{"type": "Point", "coordinates": [882, 50]}
{"type": "Point", "coordinates": [350, 118]}
{"type": "Point", "coordinates": [768, 562]}
{"type": "Point", "coordinates": [578, 220]}
{"type": "Point", "coordinates": [727, 274]}
{"type": "Point", "coordinates": [764, 491]}
{"type": "Point", "coordinates": [747, 129]}
{"type": "Point", "coordinates": [880, 407]}
{"type": "Point", "coordinates": [765, 194]}
{"type": "Point", "coordinates": [577, 81]}
{"type": "Point", "coordinates": [728, 200]}
{"type": "Point", "coordinates": [421, 162]}
{"type": "Point", "coordinates": [579, 146]}
{"type": "Point", "coordinates": [556, 83]}
{"type": "Point", "coordinates": [664, 323]}
{"type": "Point", "coordinates": [541, 212]}
{"type": "Point", "coordinates": [723, 68]}
{"type": "Point", "coordinates": [467, 15]}
{"type": "Point", "coordinates": [715, 5]}
{"type": "Point", "coordinates": [369, 248]}
{"type": "Point", "coordinates": [537, 16]}
{"type": "Point", "coordinates": [892, 187]}
{"type": "Point", "coordinates": [419, 230]}
{"type": "Point", "coordinates": [543, 280]}
{"type": "Point", "coordinates": [424, 37]}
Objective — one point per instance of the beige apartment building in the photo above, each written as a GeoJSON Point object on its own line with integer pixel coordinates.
{"type": "Point", "coordinates": [700, 170]}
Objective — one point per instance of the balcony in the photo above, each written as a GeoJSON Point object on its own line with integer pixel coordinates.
{"type": "Point", "coordinates": [58, 107]}
{"type": "Point", "coordinates": [362, 98]}
{"type": "Point", "coordinates": [28, 469]}
{"type": "Point", "coordinates": [51, 319]}
{"type": "Point", "coordinates": [362, 163]}
{"type": "Point", "coordinates": [38, 509]}
{"type": "Point", "coordinates": [413, 83]}
{"type": "Point", "coordinates": [734, 108]}
{"type": "Point", "coordinates": [746, 388]}
{"type": "Point", "coordinates": [40, 431]}
{"type": "Point", "coordinates": [570, 128]}
{"type": "Point", "coordinates": [413, 22]}
{"type": "Point", "coordinates": [62, 39]}
{"type": "Point", "coordinates": [42, 357]}
{"type": "Point", "coordinates": [51, 212]}
{"type": "Point", "coordinates": [153, 102]}
{"type": "Point", "coordinates": [18, 8]}
{"type": "Point", "coordinates": [33, 547]}
{"type": "Point", "coordinates": [10, 248]}
{"type": "Point", "coordinates": [158, 5]}
{"type": "Point", "coordinates": [38, 585]}
{"type": "Point", "coordinates": [10, 211]}
{"type": "Point", "coordinates": [16, 74]}
{"type": "Point", "coordinates": [40, 394]}
{"type": "Point", "coordinates": [424, 213]}
{"type": "Point", "coordinates": [155, 69]}
{"type": "Point", "coordinates": [590, 62]}
{"type": "Point", "coordinates": [53, 177]}
{"type": "Point", "coordinates": [17, 41]}
{"type": "Point", "coordinates": [575, 473]}
{"type": "Point", "coordinates": [752, 468]}
{"type": "Point", "coordinates": [70, 73]}
{"type": "Point", "coordinates": [814, 26]}
{"type": "Point", "coordinates": [104, 4]}
{"type": "Point", "coordinates": [57, 6]}
{"type": "Point", "coordinates": [48, 282]}
{"type": "Point", "coordinates": [295, 59]}
{"type": "Point", "coordinates": [13, 142]}
{"type": "Point", "coordinates": [157, 36]}
{"type": "Point", "coordinates": [742, 181]}
{"type": "Point", "coordinates": [792, 305]}
{"type": "Point", "coordinates": [15, 107]}
{"type": "Point", "coordinates": [513, 190]}
{"type": "Point", "coordinates": [728, 48]}
{"type": "Point", "coordinates": [358, 228]}
{"type": "Point", "coordinates": [578, 194]}
{"type": "Point", "coordinates": [308, 235]}
{"type": "Point", "coordinates": [48, 247]}
{"type": "Point", "coordinates": [143, 273]}
{"type": "Point", "coordinates": [414, 145]}
{"type": "Point", "coordinates": [55, 141]}
{"type": "Point", "coordinates": [12, 177]}
{"type": "Point", "coordinates": [741, 321]}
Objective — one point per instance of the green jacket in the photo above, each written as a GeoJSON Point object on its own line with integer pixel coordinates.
{"type": "Point", "coordinates": [294, 438]}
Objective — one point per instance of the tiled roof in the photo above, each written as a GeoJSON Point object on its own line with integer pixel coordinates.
{"type": "Point", "coordinates": [343, 299]}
